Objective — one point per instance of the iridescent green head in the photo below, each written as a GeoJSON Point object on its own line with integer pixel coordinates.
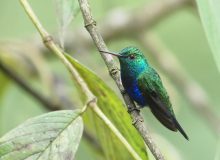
{"type": "Point", "coordinates": [131, 60]}
{"type": "Point", "coordinates": [130, 56]}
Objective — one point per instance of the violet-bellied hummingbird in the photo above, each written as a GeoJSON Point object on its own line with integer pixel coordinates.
{"type": "Point", "coordinates": [144, 86]}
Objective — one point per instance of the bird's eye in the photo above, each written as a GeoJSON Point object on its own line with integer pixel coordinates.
{"type": "Point", "coordinates": [132, 56]}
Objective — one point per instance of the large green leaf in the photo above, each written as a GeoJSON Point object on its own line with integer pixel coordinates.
{"type": "Point", "coordinates": [209, 11]}
{"type": "Point", "coordinates": [55, 135]}
{"type": "Point", "coordinates": [113, 108]}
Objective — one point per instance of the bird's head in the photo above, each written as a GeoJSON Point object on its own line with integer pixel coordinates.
{"type": "Point", "coordinates": [131, 56]}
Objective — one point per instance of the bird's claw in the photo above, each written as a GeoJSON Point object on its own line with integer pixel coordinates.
{"type": "Point", "coordinates": [133, 109]}
{"type": "Point", "coordinates": [114, 71]}
{"type": "Point", "coordinates": [123, 91]}
{"type": "Point", "coordinates": [137, 119]}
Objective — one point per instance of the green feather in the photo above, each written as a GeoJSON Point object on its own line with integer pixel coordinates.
{"type": "Point", "coordinates": [150, 83]}
{"type": "Point", "coordinates": [151, 86]}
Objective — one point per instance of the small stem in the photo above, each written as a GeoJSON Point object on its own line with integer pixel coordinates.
{"type": "Point", "coordinates": [34, 18]}
{"type": "Point", "coordinates": [49, 43]}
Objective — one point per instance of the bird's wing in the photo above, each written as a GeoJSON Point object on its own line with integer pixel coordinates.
{"type": "Point", "coordinates": [153, 90]}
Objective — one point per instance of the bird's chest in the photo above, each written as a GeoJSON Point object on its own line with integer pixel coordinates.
{"type": "Point", "coordinates": [131, 87]}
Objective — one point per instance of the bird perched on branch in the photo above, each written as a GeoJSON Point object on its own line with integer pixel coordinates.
{"type": "Point", "coordinates": [144, 86]}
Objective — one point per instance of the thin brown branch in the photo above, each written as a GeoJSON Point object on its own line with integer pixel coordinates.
{"type": "Point", "coordinates": [194, 93]}
{"type": "Point", "coordinates": [90, 25]}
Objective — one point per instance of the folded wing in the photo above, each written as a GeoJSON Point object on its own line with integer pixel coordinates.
{"type": "Point", "coordinates": [153, 90]}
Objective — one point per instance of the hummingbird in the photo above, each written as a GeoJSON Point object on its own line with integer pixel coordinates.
{"type": "Point", "coordinates": [144, 85]}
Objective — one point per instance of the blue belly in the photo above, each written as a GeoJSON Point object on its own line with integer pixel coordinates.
{"type": "Point", "coordinates": [135, 93]}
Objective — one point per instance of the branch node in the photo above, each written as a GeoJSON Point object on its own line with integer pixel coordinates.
{"type": "Point", "coordinates": [91, 101]}
{"type": "Point", "coordinates": [91, 23]}
{"type": "Point", "coordinates": [48, 39]}
{"type": "Point", "coordinates": [130, 110]}
{"type": "Point", "coordinates": [137, 120]}
{"type": "Point", "coordinates": [114, 71]}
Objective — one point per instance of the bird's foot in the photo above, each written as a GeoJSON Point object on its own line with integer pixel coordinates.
{"type": "Point", "coordinates": [114, 71]}
{"type": "Point", "coordinates": [133, 109]}
{"type": "Point", "coordinates": [137, 119]}
{"type": "Point", "coordinates": [123, 91]}
{"type": "Point", "coordinates": [139, 107]}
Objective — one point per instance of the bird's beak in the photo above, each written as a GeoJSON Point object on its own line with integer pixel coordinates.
{"type": "Point", "coordinates": [114, 54]}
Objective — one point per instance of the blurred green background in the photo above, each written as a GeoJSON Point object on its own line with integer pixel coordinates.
{"type": "Point", "coordinates": [181, 32]}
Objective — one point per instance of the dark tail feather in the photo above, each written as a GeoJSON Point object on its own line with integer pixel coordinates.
{"type": "Point", "coordinates": [168, 120]}
{"type": "Point", "coordinates": [180, 129]}
{"type": "Point", "coordinates": [164, 119]}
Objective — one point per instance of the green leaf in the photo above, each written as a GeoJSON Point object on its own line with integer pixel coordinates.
{"type": "Point", "coordinates": [113, 108]}
{"type": "Point", "coordinates": [209, 11]}
{"type": "Point", "coordinates": [55, 135]}
{"type": "Point", "coordinates": [66, 11]}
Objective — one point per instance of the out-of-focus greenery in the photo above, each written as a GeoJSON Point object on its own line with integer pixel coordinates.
{"type": "Point", "coordinates": [181, 32]}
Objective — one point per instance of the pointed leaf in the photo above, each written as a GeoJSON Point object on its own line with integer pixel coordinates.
{"type": "Point", "coordinates": [55, 135]}
{"type": "Point", "coordinates": [113, 108]}
{"type": "Point", "coordinates": [209, 11]}
{"type": "Point", "coordinates": [66, 10]}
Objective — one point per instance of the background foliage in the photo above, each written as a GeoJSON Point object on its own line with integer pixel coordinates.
{"type": "Point", "coordinates": [181, 32]}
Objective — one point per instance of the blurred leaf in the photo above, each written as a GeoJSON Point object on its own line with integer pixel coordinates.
{"type": "Point", "coordinates": [3, 83]}
{"type": "Point", "coordinates": [113, 108]}
{"type": "Point", "coordinates": [27, 65]}
{"type": "Point", "coordinates": [66, 11]}
{"type": "Point", "coordinates": [209, 11]}
{"type": "Point", "coordinates": [55, 135]}
{"type": "Point", "coordinates": [11, 59]}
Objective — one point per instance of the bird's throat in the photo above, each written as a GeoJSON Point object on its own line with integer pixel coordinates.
{"type": "Point", "coordinates": [131, 72]}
